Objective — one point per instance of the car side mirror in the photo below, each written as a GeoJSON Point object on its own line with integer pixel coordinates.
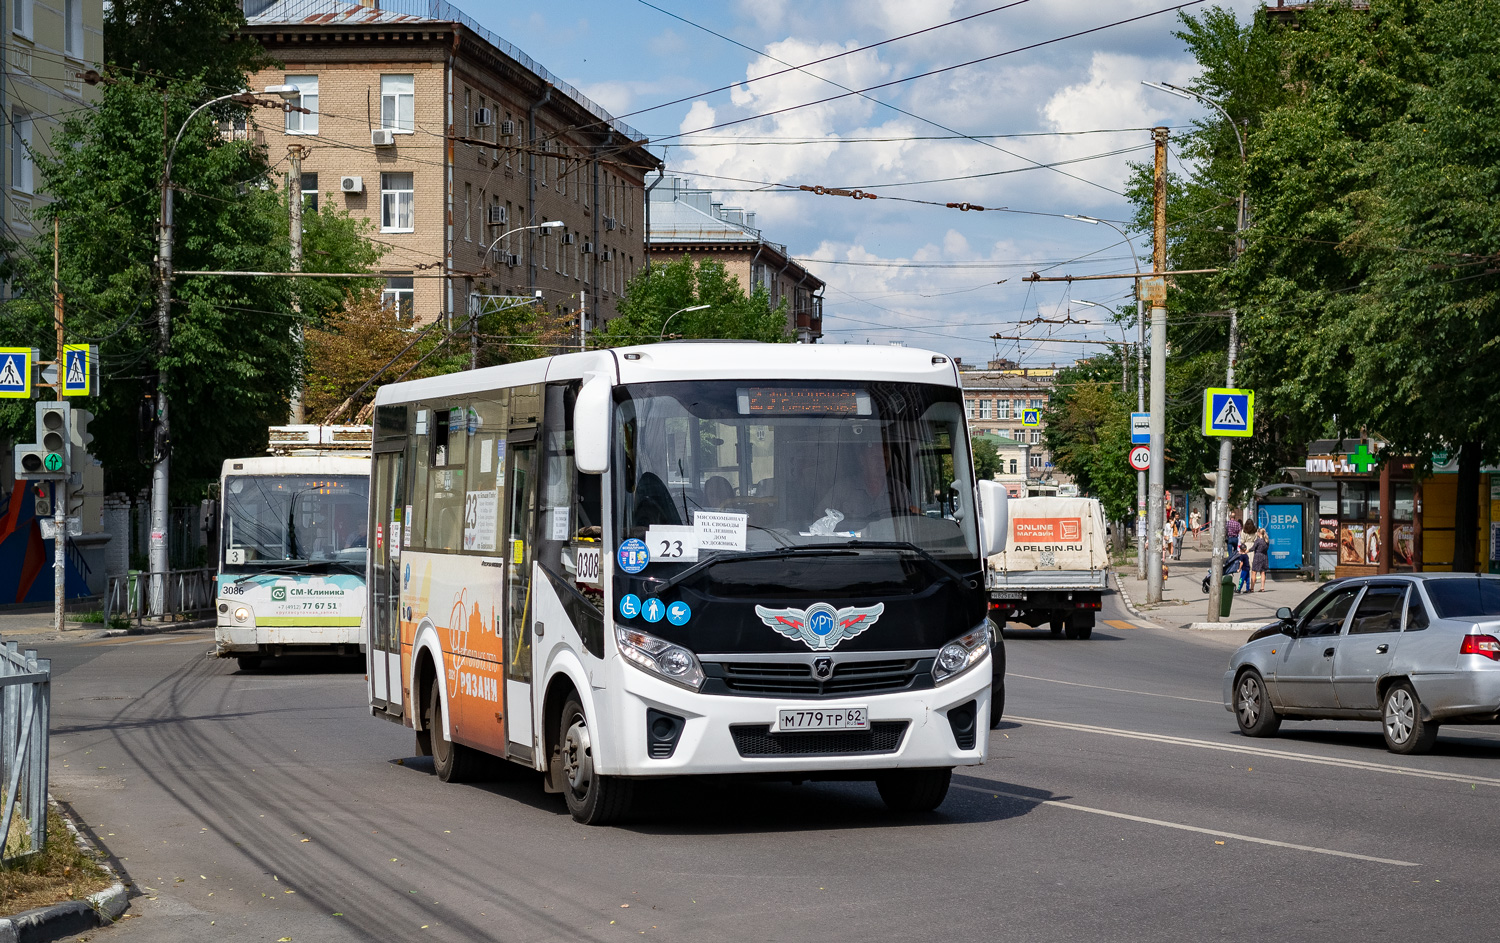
{"type": "Point", "coordinates": [1288, 622]}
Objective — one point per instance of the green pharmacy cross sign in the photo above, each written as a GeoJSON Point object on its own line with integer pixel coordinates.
{"type": "Point", "coordinates": [1362, 460]}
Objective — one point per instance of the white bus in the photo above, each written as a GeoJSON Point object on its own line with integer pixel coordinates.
{"type": "Point", "coordinates": [686, 558]}
{"type": "Point", "coordinates": [292, 555]}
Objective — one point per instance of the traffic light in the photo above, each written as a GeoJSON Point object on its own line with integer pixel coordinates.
{"type": "Point", "coordinates": [78, 432]}
{"type": "Point", "coordinates": [49, 457]}
{"type": "Point", "coordinates": [43, 502]}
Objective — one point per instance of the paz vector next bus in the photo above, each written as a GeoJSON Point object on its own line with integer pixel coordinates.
{"type": "Point", "coordinates": [685, 558]}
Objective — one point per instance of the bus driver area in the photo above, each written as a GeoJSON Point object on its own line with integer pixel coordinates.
{"type": "Point", "coordinates": [634, 563]}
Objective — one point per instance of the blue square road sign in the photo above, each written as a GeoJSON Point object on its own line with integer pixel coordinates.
{"type": "Point", "coordinates": [1228, 412]}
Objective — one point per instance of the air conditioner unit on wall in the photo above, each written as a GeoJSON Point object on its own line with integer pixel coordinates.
{"type": "Point", "coordinates": [588, 248]}
{"type": "Point", "coordinates": [513, 259]}
{"type": "Point", "coordinates": [382, 137]}
{"type": "Point", "coordinates": [352, 184]}
{"type": "Point", "coordinates": [606, 256]}
{"type": "Point", "coordinates": [567, 239]}
{"type": "Point", "coordinates": [609, 223]}
{"type": "Point", "coordinates": [507, 129]}
{"type": "Point", "coordinates": [497, 215]}
{"type": "Point", "coordinates": [483, 117]}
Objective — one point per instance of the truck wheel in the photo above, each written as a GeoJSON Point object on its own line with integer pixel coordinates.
{"type": "Point", "coordinates": [1056, 625]}
{"type": "Point", "coordinates": [249, 662]}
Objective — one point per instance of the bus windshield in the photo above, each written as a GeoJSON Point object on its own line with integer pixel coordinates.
{"type": "Point", "coordinates": [746, 466]}
{"type": "Point", "coordinates": [273, 520]}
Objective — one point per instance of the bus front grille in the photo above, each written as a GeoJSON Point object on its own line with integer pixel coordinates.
{"type": "Point", "coordinates": [796, 679]}
{"type": "Point", "coordinates": [884, 736]}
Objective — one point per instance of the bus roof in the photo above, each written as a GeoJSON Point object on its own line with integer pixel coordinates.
{"type": "Point", "coordinates": [695, 360]}
{"type": "Point", "coordinates": [297, 465]}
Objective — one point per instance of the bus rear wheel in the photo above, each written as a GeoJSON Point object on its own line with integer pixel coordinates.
{"type": "Point", "coordinates": [453, 762]}
{"type": "Point", "coordinates": [914, 790]}
{"type": "Point", "coordinates": [592, 799]}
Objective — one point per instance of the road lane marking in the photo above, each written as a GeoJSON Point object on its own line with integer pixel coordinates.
{"type": "Point", "coordinates": [1100, 687]}
{"type": "Point", "coordinates": [1120, 624]}
{"type": "Point", "coordinates": [1219, 833]}
{"type": "Point", "coordinates": [1260, 751]}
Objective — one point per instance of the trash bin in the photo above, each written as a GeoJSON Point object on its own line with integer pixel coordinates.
{"type": "Point", "coordinates": [1226, 595]}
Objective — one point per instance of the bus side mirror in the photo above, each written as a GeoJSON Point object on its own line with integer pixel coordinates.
{"type": "Point", "coordinates": [994, 517]}
{"type": "Point", "coordinates": [591, 425]}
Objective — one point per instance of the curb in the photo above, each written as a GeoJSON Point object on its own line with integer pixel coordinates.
{"type": "Point", "coordinates": [70, 917]}
{"type": "Point", "coordinates": [1226, 626]}
{"type": "Point", "coordinates": [1129, 604]}
{"type": "Point", "coordinates": [156, 628]}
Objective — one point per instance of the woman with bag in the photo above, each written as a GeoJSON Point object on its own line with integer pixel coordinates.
{"type": "Point", "coordinates": [1260, 560]}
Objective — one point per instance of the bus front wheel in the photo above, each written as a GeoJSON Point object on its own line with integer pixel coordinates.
{"type": "Point", "coordinates": [914, 790]}
{"type": "Point", "coordinates": [592, 799]}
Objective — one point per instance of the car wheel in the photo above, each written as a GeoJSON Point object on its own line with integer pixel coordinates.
{"type": "Point", "coordinates": [997, 704]}
{"type": "Point", "coordinates": [1252, 706]}
{"type": "Point", "coordinates": [592, 799]}
{"type": "Point", "coordinates": [1401, 721]}
{"type": "Point", "coordinates": [453, 762]}
{"type": "Point", "coordinates": [914, 790]}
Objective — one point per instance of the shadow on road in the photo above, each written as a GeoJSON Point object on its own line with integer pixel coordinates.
{"type": "Point", "coordinates": [1456, 741]}
{"type": "Point", "coordinates": [1027, 634]}
{"type": "Point", "coordinates": [309, 664]}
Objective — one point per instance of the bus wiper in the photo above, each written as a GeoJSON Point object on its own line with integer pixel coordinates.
{"type": "Point", "coordinates": [797, 551]}
{"type": "Point", "coordinates": [291, 566]}
{"type": "Point", "coordinates": [913, 548]}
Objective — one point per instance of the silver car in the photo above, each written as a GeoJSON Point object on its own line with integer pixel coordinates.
{"type": "Point", "coordinates": [1411, 651]}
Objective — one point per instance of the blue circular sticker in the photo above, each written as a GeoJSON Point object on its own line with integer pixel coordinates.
{"type": "Point", "coordinates": [630, 605]}
{"type": "Point", "coordinates": [653, 609]}
{"type": "Point", "coordinates": [679, 612]}
{"type": "Point", "coordinates": [633, 555]}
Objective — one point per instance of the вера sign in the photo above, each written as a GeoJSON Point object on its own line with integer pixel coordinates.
{"type": "Point", "coordinates": [1228, 412]}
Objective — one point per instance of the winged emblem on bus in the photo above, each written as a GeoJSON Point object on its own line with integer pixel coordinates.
{"type": "Point", "coordinates": [820, 626]}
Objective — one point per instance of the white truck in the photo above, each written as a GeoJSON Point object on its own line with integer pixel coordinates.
{"type": "Point", "coordinates": [1054, 569]}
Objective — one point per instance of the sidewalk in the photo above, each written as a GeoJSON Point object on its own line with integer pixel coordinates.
{"type": "Point", "coordinates": [1185, 605]}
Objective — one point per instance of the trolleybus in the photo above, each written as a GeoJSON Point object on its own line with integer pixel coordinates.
{"type": "Point", "coordinates": [293, 546]}
{"type": "Point", "coordinates": [685, 558]}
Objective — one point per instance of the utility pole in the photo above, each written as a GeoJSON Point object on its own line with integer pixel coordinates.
{"type": "Point", "coordinates": [1140, 407]}
{"type": "Point", "coordinates": [295, 153]}
{"type": "Point", "coordinates": [1155, 512]}
{"type": "Point", "coordinates": [59, 488]}
{"type": "Point", "coordinates": [161, 438]}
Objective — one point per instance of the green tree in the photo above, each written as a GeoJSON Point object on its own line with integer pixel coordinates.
{"type": "Point", "coordinates": [1087, 431]}
{"type": "Point", "coordinates": [656, 292]}
{"type": "Point", "coordinates": [986, 457]}
{"type": "Point", "coordinates": [232, 359]}
{"type": "Point", "coordinates": [182, 40]}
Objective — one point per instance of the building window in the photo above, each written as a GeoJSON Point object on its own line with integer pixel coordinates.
{"type": "Point", "coordinates": [984, 409]}
{"type": "Point", "coordinates": [397, 199]}
{"type": "Point", "coordinates": [1012, 466]}
{"type": "Point", "coordinates": [400, 296]}
{"type": "Point", "coordinates": [1004, 408]}
{"type": "Point", "coordinates": [397, 103]}
{"type": "Point", "coordinates": [468, 212]}
{"type": "Point", "coordinates": [1036, 461]}
{"type": "Point", "coordinates": [20, 150]}
{"type": "Point", "coordinates": [73, 28]}
{"type": "Point", "coordinates": [1036, 404]}
{"type": "Point", "coordinates": [307, 97]}
{"type": "Point", "coordinates": [468, 125]}
{"type": "Point", "coordinates": [20, 19]}
{"type": "Point", "coordinates": [309, 193]}
{"type": "Point", "coordinates": [969, 407]}
{"type": "Point", "coordinates": [1036, 436]}
{"type": "Point", "coordinates": [582, 259]}
{"type": "Point", "coordinates": [562, 174]}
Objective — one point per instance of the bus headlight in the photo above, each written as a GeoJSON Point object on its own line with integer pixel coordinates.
{"type": "Point", "coordinates": [241, 614]}
{"type": "Point", "coordinates": [961, 654]}
{"type": "Point", "coordinates": [660, 657]}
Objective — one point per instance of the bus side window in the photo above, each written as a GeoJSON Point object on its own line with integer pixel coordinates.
{"type": "Point", "coordinates": [418, 459]}
{"type": "Point", "coordinates": [483, 509]}
{"type": "Point", "coordinates": [446, 478]}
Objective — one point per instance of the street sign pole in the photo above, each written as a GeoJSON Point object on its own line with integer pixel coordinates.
{"type": "Point", "coordinates": [1219, 518]}
{"type": "Point", "coordinates": [1158, 473]}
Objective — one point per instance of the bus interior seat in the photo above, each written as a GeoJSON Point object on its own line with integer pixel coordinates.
{"type": "Point", "coordinates": [653, 503]}
{"type": "Point", "coordinates": [717, 491]}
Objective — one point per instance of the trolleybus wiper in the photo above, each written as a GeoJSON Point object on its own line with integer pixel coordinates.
{"type": "Point", "coordinates": [292, 566]}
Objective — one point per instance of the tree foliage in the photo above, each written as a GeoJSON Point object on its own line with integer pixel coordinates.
{"type": "Point", "coordinates": [1087, 422]}
{"type": "Point", "coordinates": [182, 40]}
{"type": "Point", "coordinates": [658, 291]}
{"type": "Point", "coordinates": [986, 457]}
{"type": "Point", "coordinates": [232, 360]}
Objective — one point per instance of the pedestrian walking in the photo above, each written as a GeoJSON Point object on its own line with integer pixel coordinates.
{"type": "Point", "coordinates": [1260, 560]}
{"type": "Point", "coordinates": [1197, 523]}
{"type": "Point", "coordinates": [1179, 531]}
{"type": "Point", "coordinates": [1247, 543]}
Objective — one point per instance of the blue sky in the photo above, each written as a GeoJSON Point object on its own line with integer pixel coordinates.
{"type": "Point", "coordinates": [922, 274]}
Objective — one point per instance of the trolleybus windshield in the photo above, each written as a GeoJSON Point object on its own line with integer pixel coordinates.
{"type": "Point", "coordinates": [307, 521]}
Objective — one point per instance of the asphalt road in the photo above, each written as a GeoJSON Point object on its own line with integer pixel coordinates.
{"type": "Point", "coordinates": [1119, 802]}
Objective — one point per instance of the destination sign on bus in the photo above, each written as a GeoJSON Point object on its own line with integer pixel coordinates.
{"type": "Point", "coordinates": [793, 401]}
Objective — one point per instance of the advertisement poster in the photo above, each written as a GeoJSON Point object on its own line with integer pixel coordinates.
{"type": "Point", "coordinates": [1283, 527]}
{"type": "Point", "coordinates": [1403, 546]}
{"type": "Point", "coordinates": [1328, 533]}
{"type": "Point", "coordinates": [1352, 544]}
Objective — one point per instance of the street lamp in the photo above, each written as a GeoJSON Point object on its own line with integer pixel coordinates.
{"type": "Point", "coordinates": [549, 224]}
{"type": "Point", "coordinates": [161, 447]}
{"type": "Point", "coordinates": [1140, 388]}
{"type": "Point", "coordinates": [675, 314]}
{"type": "Point", "coordinates": [1226, 450]}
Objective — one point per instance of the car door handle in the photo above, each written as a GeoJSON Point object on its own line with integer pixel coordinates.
{"type": "Point", "coordinates": [1327, 653]}
{"type": "Point", "coordinates": [1382, 649]}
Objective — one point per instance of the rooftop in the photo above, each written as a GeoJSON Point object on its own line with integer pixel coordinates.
{"type": "Point", "coordinates": [413, 13]}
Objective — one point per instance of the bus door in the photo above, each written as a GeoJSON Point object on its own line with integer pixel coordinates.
{"type": "Point", "coordinates": [385, 591]}
{"type": "Point", "coordinates": [520, 485]}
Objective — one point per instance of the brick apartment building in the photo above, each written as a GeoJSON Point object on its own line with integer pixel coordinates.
{"type": "Point", "coordinates": [692, 222]}
{"type": "Point", "coordinates": [996, 399]}
{"type": "Point", "coordinates": [447, 137]}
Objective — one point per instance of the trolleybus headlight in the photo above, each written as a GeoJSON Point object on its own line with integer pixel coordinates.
{"type": "Point", "coordinates": [241, 614]}
{"type": "Point", "coordinates": [961, 654]}
{"type": "Point", "coordinates": [660, 657]}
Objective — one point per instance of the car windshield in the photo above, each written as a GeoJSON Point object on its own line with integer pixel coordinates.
{"type": "Point", "coordinates": [273, 520]}
{"type": "Point", "coordinates": [1464, 598]}
{"type": "Point", "coordinates": [747, 466]}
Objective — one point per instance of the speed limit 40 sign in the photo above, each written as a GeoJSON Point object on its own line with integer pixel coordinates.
{"type": "Point", "coordinates": [1140, 457]}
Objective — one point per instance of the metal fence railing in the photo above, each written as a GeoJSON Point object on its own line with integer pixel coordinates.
{"type": "Point", "coordinates": [25, 713]}
{"type": "Point", "coordinates": [136, 595]}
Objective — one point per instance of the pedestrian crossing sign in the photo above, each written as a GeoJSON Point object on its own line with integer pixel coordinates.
{"type": "Point", "coordinates": [15, 372]}
{"type": "Point", "coordinates": [1228, 412]}
{"type": "Point", "coordinates": [79, 370]}
{"type": "Point", "coordinates": [1031, 418]}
